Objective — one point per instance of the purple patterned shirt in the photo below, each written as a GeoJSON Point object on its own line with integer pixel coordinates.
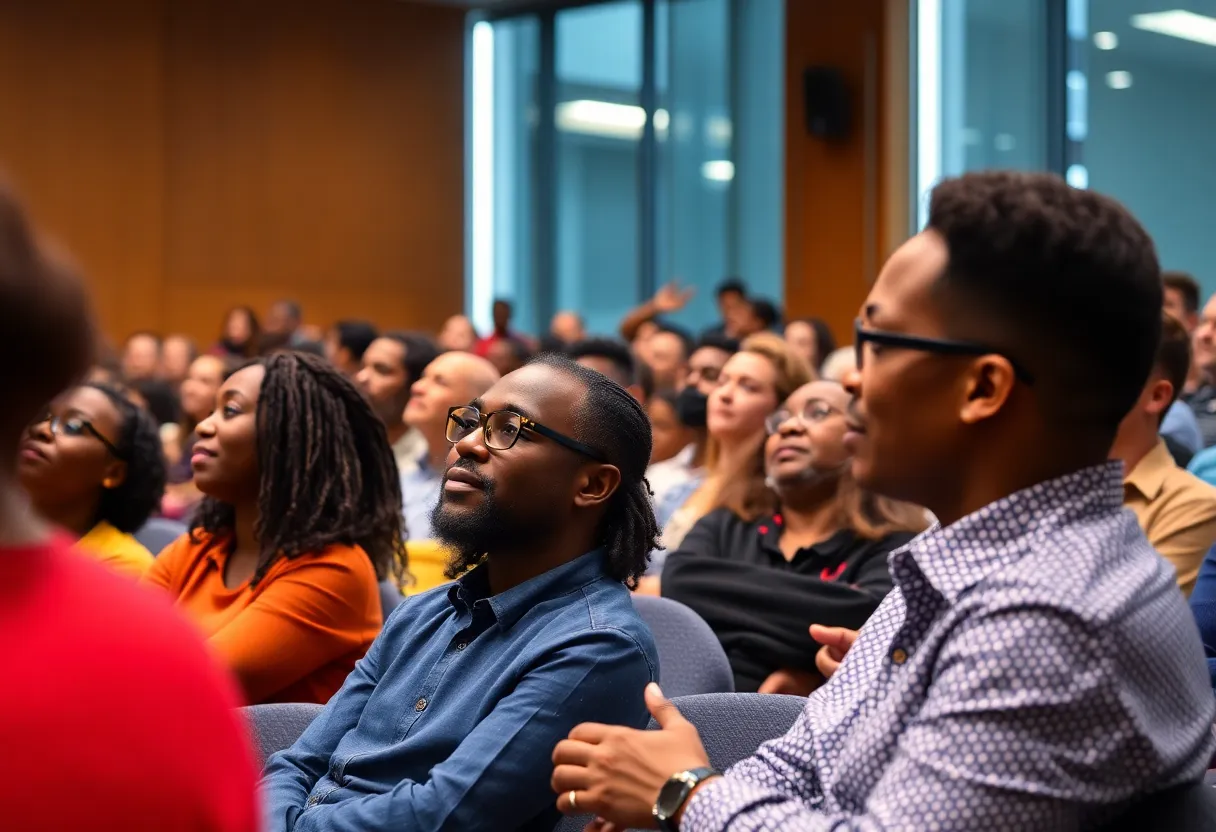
{"type": "Point", "coordinates": [1034, 668]}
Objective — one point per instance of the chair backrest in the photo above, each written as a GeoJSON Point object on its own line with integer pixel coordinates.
{"type": "Point", "coordinates": [691, 659]}
{"type": "Point", "coordinates": [732, 726]}
{"type": "Point", "coordinates": [278, 726]}
{"type": "Point", "coordinates": [390, 597]}
{"type": "Point", "coordinates": [158, 533]}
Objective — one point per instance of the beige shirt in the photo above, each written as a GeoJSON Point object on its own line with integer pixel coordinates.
{"type": "Point", "coordinates": [408, 450]}
{"type": "Point", "coordinates": [1176, 509]}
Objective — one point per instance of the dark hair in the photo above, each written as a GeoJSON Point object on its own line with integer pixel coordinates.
{"type": "Point", "coordinates": [1185, 285]}
{"type": "Point", "coordinates": [644, 379]}
{"type": "Point", "coordinates": [717, 341]}
{"type": "Point", "coordinates": [680, 332]}
{"type": "Point", "coordinates": [1030, 259]}
{"type": "Point", "coordinates": [1173, 359]}
{"type": "Point", "coordinates": [669, 396]}
{"type": "Point", "coordinates": [162, 402]}
{"type": "Point", "coordinates": [129, 506]}
{"type": "Point", "coordinates": [612, 350]}
{"type": "Point", "coordinates": [504, 302]}
{"type": "Point", "coordinates": [766, 312]}
{"type": "Point", "coordinates": [250, 347]}
{"type": "Point", "coordinates": [355, 336]}
{"type": "Point", "coordinates": [311, 347]}
{"type": "Point", "coordinates": [292, 307]}
{"type": "Point", "coordinates": [327, 471]}
{"type": "Point", "coordinates": [825, 342]}
{"type": "Point", "coordinates": [612, 422]}
{"type": "Point", "coordinates": [419, 351]}
{"type": "Point", "coordinates": [731, 285]}
{"type": "Point", "coordinates": [145, 333]}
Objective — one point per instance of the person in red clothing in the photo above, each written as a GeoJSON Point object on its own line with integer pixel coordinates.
{"type": "Point", "coordinates": [502, 312]}
{"type": "Point", "coordinates": [112, 716]}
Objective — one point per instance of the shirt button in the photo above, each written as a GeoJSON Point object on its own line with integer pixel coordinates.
{"type": "Point", "coordinates": [461, 646]}
{"type": "Point", "coordinates": [899, 655]}
{"type": "Point", "coordinates": [420, 705]}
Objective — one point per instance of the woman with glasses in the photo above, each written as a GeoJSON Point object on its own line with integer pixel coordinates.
{"type": "Point", "coordinates": [820, 557]}
{"type": "Point", "coordinates": [300, 520]}
{"type": "Point", "coordinates": [753, 382]}
{"type": "Point", "coordinates": [93, 465]}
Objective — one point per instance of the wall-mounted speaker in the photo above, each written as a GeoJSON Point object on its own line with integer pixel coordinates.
{"type": "Point", "coordinates": [826, 99]}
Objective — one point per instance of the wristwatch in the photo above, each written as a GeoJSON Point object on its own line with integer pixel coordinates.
{"type": "Point", "coordinates": [675, 791]}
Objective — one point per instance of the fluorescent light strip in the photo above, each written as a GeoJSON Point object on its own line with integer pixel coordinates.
{"type": "Point", "coordinates": [607, 119]}
{"type": "Point", "coordinates": [718, 170]}
{"type": "Point", "coordinates": [481, 290]}
{"type": "Point", "coordinates": [928, 103]}
{"type": "Point", "coordinates": [1179, 23]}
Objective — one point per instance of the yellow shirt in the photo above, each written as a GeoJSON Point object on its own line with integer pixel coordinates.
{"type": "Point", "coordinates": [1176, 509]}
{"type": "Point", "coordinates": [117, 550]}
{"type": "Point", "coordinates": [427, 562]}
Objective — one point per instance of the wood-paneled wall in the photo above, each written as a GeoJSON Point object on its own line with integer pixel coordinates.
{"type": "Point", "coordinates": [198, 154]}
{"type": "Point", "coordinates": [846, 200]}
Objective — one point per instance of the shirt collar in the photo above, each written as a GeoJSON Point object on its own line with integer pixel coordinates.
{"type": "Point", "coordinates": [1148, 477]}
{"type": "Point", "coordinates": [508, 607]}
{"type": "Point", "coordinates": [957, 557]}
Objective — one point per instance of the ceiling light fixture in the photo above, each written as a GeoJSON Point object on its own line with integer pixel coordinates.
{"type": "Point", "coordinates": [1106, 41]}
{"type": "Point", "coordinates": [1179, 23]}
{"type": "Point", "coordinates": [1120, 79]}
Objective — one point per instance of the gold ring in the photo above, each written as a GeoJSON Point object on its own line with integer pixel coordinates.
{"type": "Point", "coordinates": [573, 801]}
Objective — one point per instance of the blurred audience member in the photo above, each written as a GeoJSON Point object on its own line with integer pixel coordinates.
{"type": "Point", "coordinates": [760, 316]}
{"type": "Point", "coordinates": [667, 356]}
{"type": "Point", "coordinates": [613, 359]}
{"type": "Point", "coordinates": [733, 307]}
{"type": "Point", "coordinates": [641, 341]}
{"type": "Point", "coordinates": [670, 434]}
{"type": "Point", "coordinates": [508, 355]}
{"type": "Point", "coordinates": [1200, 390]}
{"type": "Point", "coordinates": [242, 334]}
{"type": "Point", "coordinates": [839, 363]}
{"type": "Point", "coordinates": [302, 518]}
{"type": "Point", "coordinates": [141, 357]}
{"type": "Point", "coordinates": [282, 326]}
{"type": "Point", "coordinates": [1176, 509]}
{"type": "Point", "coordinates": [566, 328]}
{"type": "Point", "coordinates": [553, 522]}
{"type": "Point", "coordinates": [812, 339]}
{"type": "Point", "coordinates": [345, 344]}
{"type": "Point", "coordinates": [752, 384]}
{"type": "Point", "coordinates": [1182, 298]}
{"type": "Point", "coordinates": [502, 312]}
{"type": "Point", "coordinates": [458, 335]}
{"type": "Point", "coordinates": [176, 354]}
{"type": "Point", "coordinates": [692, 405]}
{"type": "Point", "coordinates": [391, 364]}
{"type": "Point", "coordinates": [1035, 667]}
{"type": "Point", "coordinates": [761, 580]}
{"type": "Point", "coordinates": [198, 396]}
{"type": "Point", "coordinates": [159, 398]}
{"type": "Point", "coordinates": [93, 466]}
{"type": "Point", "coordinates": [115, 695]}
{"type": "Point", "coordinates": [451, 380]}
{"type": "Point", "coordinates": [643, 321]}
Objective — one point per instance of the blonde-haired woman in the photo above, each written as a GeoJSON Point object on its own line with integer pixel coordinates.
{"type": "Point", "coordinates": [753, 383]}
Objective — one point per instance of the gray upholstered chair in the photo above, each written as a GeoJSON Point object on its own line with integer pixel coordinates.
{"type": "Point", "coordinates": [691, 659]}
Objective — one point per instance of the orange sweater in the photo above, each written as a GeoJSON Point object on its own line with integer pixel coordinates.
{"type": "Point", "coordinates": [294, 636]}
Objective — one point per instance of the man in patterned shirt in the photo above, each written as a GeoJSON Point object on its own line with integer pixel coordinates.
{"type": "Point", "coordinates": [1035, 666]}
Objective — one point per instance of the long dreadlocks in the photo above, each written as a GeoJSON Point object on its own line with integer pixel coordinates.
{"type": "Point", "coordinates": [327, 470]}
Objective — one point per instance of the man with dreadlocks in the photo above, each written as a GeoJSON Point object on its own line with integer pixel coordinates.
{"type": "Point", "coordinates": [302, 518]}
{"type": "Point", "coordinates": [449, 721]}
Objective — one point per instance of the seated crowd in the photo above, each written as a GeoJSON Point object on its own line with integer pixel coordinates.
{"type": "Point", "coordinates": [968, 539]}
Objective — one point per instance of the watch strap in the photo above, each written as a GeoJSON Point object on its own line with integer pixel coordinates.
{"type": "Point", "coordinates": [669, 805]}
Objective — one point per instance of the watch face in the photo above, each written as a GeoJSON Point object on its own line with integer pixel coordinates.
{"type": "Point", "coordinates": [671, 796]}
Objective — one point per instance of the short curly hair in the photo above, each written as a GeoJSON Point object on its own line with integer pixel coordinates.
{"type": "Point", "coordinates": [129, 506]}
{"type": "Point", "coordinates": [1065, 280]}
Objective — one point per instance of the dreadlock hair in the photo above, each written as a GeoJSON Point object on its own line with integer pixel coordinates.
{"type": "Point", "coordinates": [327, 471]}
{"type": "Point", "coordinates": [129, 506]}
{"type": "Point", "coordinates": [610, 420]}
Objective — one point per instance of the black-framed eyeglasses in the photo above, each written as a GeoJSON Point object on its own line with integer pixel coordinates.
{"type": "Point", "coordinates": [814, 410]}
{"type": "Point", "coordinates": [77, 426]}
{"type": "Point", "coordinates": [939, 346]}
{"type": "Point", "coordinates": [502, 430]}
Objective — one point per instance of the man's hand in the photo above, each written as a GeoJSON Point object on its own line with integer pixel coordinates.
{"type": "Point", "coordinates": [836, 642]}
{"type": "Point", "coordinates": [617, 773]}
{"type": "Point", "coordinates": [792, 682]}
{"type": "Point", "coordinates": [670, 298]}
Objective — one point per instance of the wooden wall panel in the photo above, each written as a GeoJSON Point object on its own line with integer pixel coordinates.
{"type": "Point", "coordinates": [197, 154]}
{"type": "Point", "coordinates": [838, 193]}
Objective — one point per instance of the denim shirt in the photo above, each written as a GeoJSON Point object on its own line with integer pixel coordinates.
{"type": "Point", "coordinates": [450, 720]}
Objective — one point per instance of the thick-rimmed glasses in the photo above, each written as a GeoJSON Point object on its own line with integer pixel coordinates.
{"type": "Point", "coordinates": [813, 410]}
{"type": "Point", "coordinates": [935, 345]}
{"type": "Point", "coordinates": [503, 428]}
{"type": "Point", "coordinates": [77, 426]}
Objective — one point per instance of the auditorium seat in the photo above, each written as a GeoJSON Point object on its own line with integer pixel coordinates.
{"type": "Point", "coordinates": [691, 659]}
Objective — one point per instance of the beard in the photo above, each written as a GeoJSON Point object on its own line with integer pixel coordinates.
{"type": "Point", "coordinates": [470, 533]}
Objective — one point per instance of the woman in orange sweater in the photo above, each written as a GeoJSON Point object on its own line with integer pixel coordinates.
{"type": "Point", "coordinates": [301, 519]}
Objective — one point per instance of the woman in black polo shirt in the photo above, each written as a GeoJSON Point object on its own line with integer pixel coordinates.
{"type": "Point", "coordinates": [821, 558]}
